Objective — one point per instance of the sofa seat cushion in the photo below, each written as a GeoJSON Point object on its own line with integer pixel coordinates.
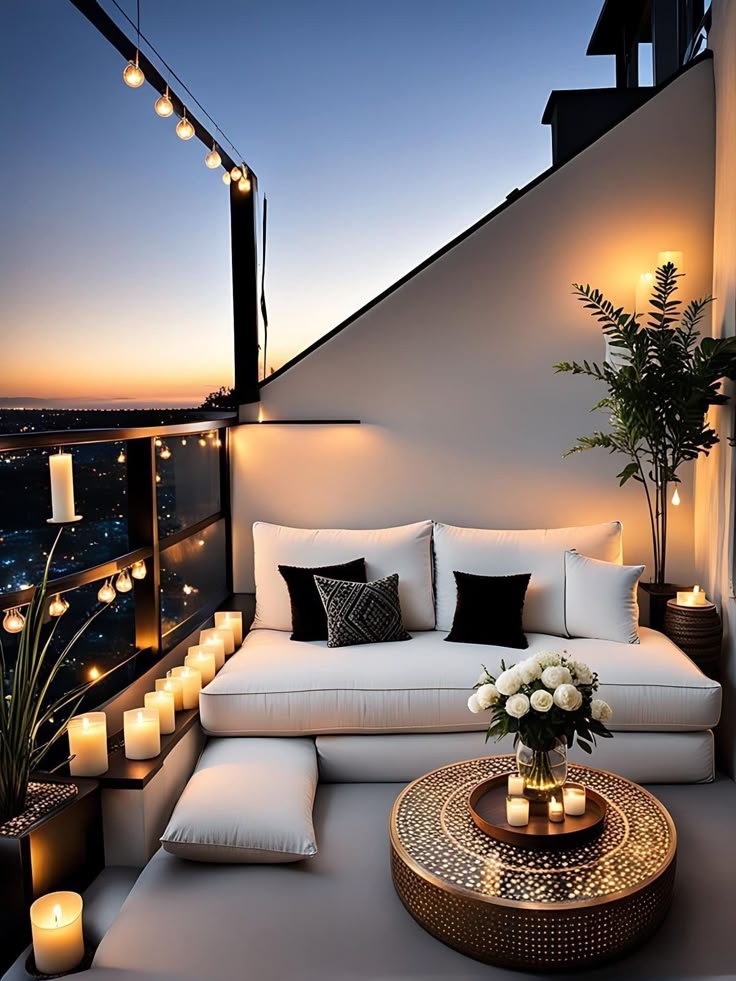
{"type": "Point", "coordinates": [249, 800]}
{"type": "Point", "coordinates": [277, 686]}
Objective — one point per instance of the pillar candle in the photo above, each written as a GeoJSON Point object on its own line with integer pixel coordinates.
{"type": "Point", "coordinates": [62, 488]}
{"type": "Point", "coordinates": [163, 702]}
{"type": "Point", "coordinates": [555, 811]}
{"type": "Point", "coordinates": [176, 687]}
{"type": "Point", "coordinates": [203, 661]}
{"type": "Point", "coordinates": [191, 680]}
{"type": "Point", "coordinates": [516, 785]}
{"type": "Point", "coordinates": [88, 744]}
{"type": "Point", "coordinates": [142, 733]}
{"type": "Point", "coordinates": [56, 928]}
{"type": "Point", "coordinates": [223, 633]}
{"type": "Point", "coordinates": [573, 798]}
{"type": "Point", "coordinates": [231, 620]}
{"type": "Point", "coordinates": [517, 811]}
{"type": "Point", "coordinates": [215, 646]}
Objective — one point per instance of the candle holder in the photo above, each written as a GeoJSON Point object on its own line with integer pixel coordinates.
{"type": "Point", "coordinates": [698, 631]}
{"type": "Point", "coordinates": [66, 521]}
{"type": "Point", "coordinates": [84, 965]}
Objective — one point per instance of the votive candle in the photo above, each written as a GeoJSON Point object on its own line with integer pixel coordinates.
{"type": "Point", "coordinates": [231, 620]}
{"type": "Point", "coordinates": [204, 661]}
{"type": "Point", "coordinates": [163, 702]}
{"type": "Point", "coordinates": [555, 811]}
{"type": "Point", "coordinates": [216, 646]}
{"type": "Point", "coordinates": [516, 785]}
{"type": "Point", "coordinates": [696, 597]}
{"type": "Point", "coordinates": [517, 811]}
{"type": "Point", "coordinates": [88, 744]}
{"type": "Point", "coordinates": [176, 687]}
{"type": "Point", "coordinates": [191, 680]}
{"type": "Point", "coordinates": [56, 928]}
{"type": "Point", "coordinates": [573, 799]}
{"type": "Point", "coordinates": [141, 733]}
{"type": "Point", "coordinates": [222, 633]}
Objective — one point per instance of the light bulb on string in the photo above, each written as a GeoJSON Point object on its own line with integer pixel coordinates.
{"type": "Point", "coordinates": [202, 441]}
{"type": "Point", "coordinates": [244, 184]}
{"type": "Point", "coordinates": [163, 106]}
{"type": "Point", "coordinates": [676, 498]}
{"type": "Point", "coordinates": [158, 478]}
{"type": "Point", "coordinates": [158, 441]}
{"type": "Point", "coordinates": [133, 74]}
{"type": "Point", "coordinates": [106, 593]}
{"type": "Point", "coordinates": [184, 129]}
{"type": "Point", "coordinates": [121, 456]}
{"type": "Point", "coordinates": [123, 583]}
{"type": "Point", "coordinates": [226, 178]}
{"type": "Point", "coordinates": [236, 173]}
{"type": "Point", "coordinates": [139, 570]}
{"type": "Point", "coordinates": [165, 453]}
{"type": "Point", "coordinates": [58, 606]}
{"type": "Point", "coordinates": [13, 620]}
{"type": "Point", "coordinates": [213, 158]}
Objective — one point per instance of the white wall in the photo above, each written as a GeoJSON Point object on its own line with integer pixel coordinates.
{"type": "Point", "coordinates": [463, 417]}
{"type": "Point", "coordinates": [715, 476]}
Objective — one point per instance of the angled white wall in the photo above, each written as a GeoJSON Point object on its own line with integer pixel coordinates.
{"type": "Point", "coordinates": [463, 417]}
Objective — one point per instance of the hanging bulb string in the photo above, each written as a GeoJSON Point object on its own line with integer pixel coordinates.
{"type": "Point", "coordinates": [237, 155]}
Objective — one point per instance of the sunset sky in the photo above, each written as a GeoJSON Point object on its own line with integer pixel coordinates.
{"type": "Point", "coordinates": [378, 131]}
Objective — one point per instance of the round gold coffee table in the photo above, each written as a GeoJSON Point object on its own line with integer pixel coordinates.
{"type": "Point", "coordinates": [547, 910]}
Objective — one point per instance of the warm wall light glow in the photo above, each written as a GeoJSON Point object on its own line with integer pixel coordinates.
{"type": "Point", "coordinates": [106, 593]}
{"type": "Point", "coordinates": [676, 498]}
{"type": "Point", "coordinates": [13, 621]}
{"type": "Point", "coordinates": [163, 106]}
{"type": "Point", "coordinates": [133, 75]}
{"type": "Point", "coordinates": [124, 584]}
{"type": "Point", "coordinates": [58, 606]}
{"type": "Point", "coordinates": [184, 129]}
{"type": "Point", "coordinates": [139, 570]}
{"type": "Point", "coordinates": [213, 158]}
{"type": "Point", "coordinates": [643, 292]}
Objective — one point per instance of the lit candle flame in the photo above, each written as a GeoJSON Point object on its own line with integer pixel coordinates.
{"type": "Point", "coordinates": [85, 723]}
{"type": "Point", "coordinates": [676, 498]}
{"type": "Point", "coordinates": [57, 914]}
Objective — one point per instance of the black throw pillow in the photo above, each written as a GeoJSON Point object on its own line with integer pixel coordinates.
{"type": "Point", "coordinates": [308, 617]}
{"type": "Point", "coordinates": [489, 610]}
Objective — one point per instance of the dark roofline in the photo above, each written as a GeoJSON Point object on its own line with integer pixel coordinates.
{"type": "Point", "coordinates": [511, 198]}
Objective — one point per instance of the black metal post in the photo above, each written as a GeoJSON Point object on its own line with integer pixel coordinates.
{"type": "Point", "coordinates": [244, 248]}
{"type": "Point", "coordinates": [666, 20]}
{"type": "Point", "coordinates": [143, 532]}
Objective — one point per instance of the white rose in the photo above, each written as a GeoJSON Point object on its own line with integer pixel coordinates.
{"type": "Point", "coordinates": [517, 706]}
{"type": "Point", "coordinates": [600, 710]}
{"type": "Point", "coordinates": [583, 674]}
{"type": "Point", "coordinates": [567, 697]}
{"type": "Point", "coordinates": [542, 700]}
{"type": "Point", "coordinates": [548, 659]}
{"type": "Point", "coordinates": [487, 695]}
{"type": "Point", "coordinates": [529, 670]}
{"type": "Point", "coordinates": [553, 677]}
{"type": "Point", "coordinates": [474, 704]}
{"type": "Point", "coordinates": [508, 682]}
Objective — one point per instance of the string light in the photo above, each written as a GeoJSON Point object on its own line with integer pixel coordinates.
{"type": "Point", "coordinates": [58, 606]}
{"type": "Point", "coordinates": [93, 674]}
{"type": "Point", "coordinates": [236, 173]}
{"type": "Point", "coordinates": [213, 158]}
{"type": "Point", "coordinates": [226, 178]}
{"type": "Point", "coordinates": [106, 593]}
{"type": "Point", "coordinates": [183, 441]}
{"type": "Point", "coordinates": [13, 620]}
{"type": "Point", "coordinates": [158, 441]}
{"type": "Point", "coordinates": [123, 583]}
{"type": "Point", "coordinates": [139, 570]}
{"type": "Point", "coordinates": [163, 106]}
{"type": "Point", "coordinates": [676, 498]}
{"type": "Point", "coordinates": [158, 478]}
{"type": "Point", "coordinates": [184, 129]}
{"type": "Point", "coordinates": [202, 441]}
{"type": "Point", "coordinates": [165, 453]}
{"type": "Point", "coordinates": [133, 74]}
{"type": "Point", "coordinates": [218, 441]}
{"type": "Point", "coordinates": [187, 589]}
{"type": "Point", "coordinates": [244, 184]}
{"type": "Point", "coordinates": [121, 456]}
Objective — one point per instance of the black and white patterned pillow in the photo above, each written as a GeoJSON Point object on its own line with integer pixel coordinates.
{"type": "Point", "coordinates": [362, 612]}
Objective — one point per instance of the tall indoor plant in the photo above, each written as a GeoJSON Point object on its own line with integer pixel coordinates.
{"type": "Point", "coordinates": [28, 707]}
{"type": "Point", "coordinates": [660, 388]}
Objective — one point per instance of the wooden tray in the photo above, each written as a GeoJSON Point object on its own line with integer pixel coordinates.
{"type": "Point", "coordinates": [487, 804]}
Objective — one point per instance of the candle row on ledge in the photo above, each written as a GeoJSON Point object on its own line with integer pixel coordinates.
{"type": "Point", "coordinates": [573, 803]}
{"type": "Point", "coordinates": [177, 692]}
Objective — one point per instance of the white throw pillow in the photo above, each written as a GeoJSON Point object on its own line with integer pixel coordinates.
{"type": "Point", "coordinates": [601, 599]}
{"type": "Point", "coordinates": [249, 800]}
{"type": "Point", "coordinates": [406, 550]}
{"type": "Point", "coordinates": [506, 553]}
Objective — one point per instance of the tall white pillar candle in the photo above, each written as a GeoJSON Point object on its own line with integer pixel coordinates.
{"type": "Point", "coordinates": [215, 646]}
{"type": "Point", "coordinates": [204, 661]}
{"type": "Point", "coordinates": [176, 687]}
{"type": "Point", "coordinates": [88, 744]}
{"type": "Point", "coordinates": [231, 620]}
{"type": "Point", "coordinates": [163, 702]}
{"type": "Point", "coordinates": [142, 733]}
{"type": "Point", "coordinates": [222, 633]}
{"type": "Point", "coordinates": [62, 488]}
{"type": "Point", "coordinates": [56, 928]}
{"type": "Point", "coordinates": [191, 680]}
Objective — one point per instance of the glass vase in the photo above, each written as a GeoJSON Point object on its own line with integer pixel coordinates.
{"type": "Point", "coordinates": [544, 770]}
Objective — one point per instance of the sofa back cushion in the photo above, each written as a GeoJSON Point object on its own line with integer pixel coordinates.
{"type": "Point", "coordinates": [406, 550]}
{"type": "Point", "coordinates": [504, 553]}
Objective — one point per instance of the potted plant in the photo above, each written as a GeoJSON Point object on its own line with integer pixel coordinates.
{"type": "Point", "coordinates": [662, 379]}
{"type": "Point", "coordinates": [548, 702]}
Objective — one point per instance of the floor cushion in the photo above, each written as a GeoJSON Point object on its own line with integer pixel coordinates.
{"type": "Point", "coordinates": [277, 686]}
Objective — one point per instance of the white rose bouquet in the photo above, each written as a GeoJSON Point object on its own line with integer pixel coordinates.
{"type": "Point", "coordinates": [544, 698]}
